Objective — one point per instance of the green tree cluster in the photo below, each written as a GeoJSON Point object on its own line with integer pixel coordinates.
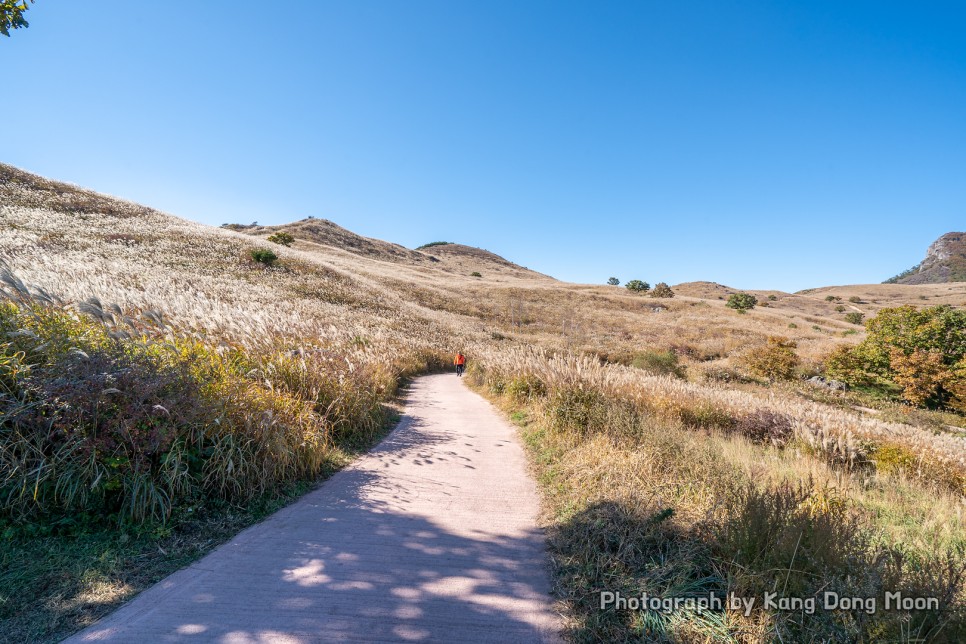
{"type": "Point", "coordinates": [919, 353]}
{"type": "Point", "coordinates": [637, 286]}
{"type": "Point", "coordinates": [741, 301]}
{"type": "Point", "coordinates": [263, 256]}
{"type": "Point", "coordinates": [283, 238]}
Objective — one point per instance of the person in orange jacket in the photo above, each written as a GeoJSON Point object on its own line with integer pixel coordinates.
{"type": "Point", "coordinates": [460, 363]}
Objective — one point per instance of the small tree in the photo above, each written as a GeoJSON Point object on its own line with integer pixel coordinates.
{"type": "Point", "coordinates": [920, 352]}
{"type": "Point", "coordinates": [263, 256]}
{"type": "Point", "coordinates": [775, 361]}
{"type": "Point", "coordinates": [661, 289]}
{"type": "Point", "coordinates": [282, 238]}
{"type": "Point", "coordinates": [742, 301]}
{"type": "Point", "coordinates": [637, 286]}
{"type": "Point", "coordinates": [613, 281]}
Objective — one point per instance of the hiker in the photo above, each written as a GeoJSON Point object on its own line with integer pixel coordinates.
{"type": "Point", "coordinates": [460, 363]}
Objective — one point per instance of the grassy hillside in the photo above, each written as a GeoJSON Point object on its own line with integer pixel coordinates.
{"type": "Point", "coordinates": [322, 236]}
{"type": "Point", "coordinates": [679, 448]}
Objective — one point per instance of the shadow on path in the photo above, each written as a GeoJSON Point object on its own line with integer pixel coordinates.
{"type": "Point", "coordinates": [423, 539]}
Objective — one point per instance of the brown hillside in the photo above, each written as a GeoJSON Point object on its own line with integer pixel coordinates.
{"type": "Point", "coordinates": [322, 235]}
{"type": "Point", "coordinates": [327, 233]}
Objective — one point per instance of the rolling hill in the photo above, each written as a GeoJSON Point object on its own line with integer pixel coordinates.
{"type": "Point", "coordinates": [323, 236]}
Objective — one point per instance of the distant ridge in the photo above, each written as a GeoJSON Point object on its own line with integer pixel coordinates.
{"type": "Point", "coordinates": [445, 256]}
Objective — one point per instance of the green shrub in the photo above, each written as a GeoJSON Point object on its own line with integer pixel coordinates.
{"type": "Point", "coordinates": [525, 388]}
{"type": "Point", "coordinates": [855, 299]}
{"type": "Point", "coordinates": [664, 363]}
{"type": "Point", "coordinates": [435, 243]}
{"type": "Point", "coordinates": [580, 410]}
{"type": "Point", "coordinates": [854, 317]}
{"type": "Point", "coordinates": [661, 289]}
{"type": "Point", "coordinates": [741, 301]}
{"type": "Point", "coordinates": [613, 281]}
{"type": "Point", "coordinates": [282, 238]}
{"type": "Point", "coordinates": [475, 274]}
{"type": "Point", "coordinates": [637, 286]}
{"type": "Point", "coordinates": [772, 297]}
{"type": "Point", "coordinates": [792, 325]}
{"type": "Point", "coordinates": [263, 256]}
{"type": "Point", "coordinates": [839, 309]}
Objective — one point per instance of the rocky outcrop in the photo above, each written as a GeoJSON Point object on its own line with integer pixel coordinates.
{"type": "Point", "coordinates": [945, 262]}
{"type": "Point", "coordinates": [834, 385]}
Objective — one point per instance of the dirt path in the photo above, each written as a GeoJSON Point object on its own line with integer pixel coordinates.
{"type": "Point", "coordinates": [430, 537]}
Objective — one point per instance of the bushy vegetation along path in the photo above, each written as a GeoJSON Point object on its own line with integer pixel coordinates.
{"type": "Point", "coordinates": [431, 536]}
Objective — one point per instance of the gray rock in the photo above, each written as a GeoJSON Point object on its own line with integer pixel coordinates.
{"type": "Point", "coordinates": [834, 385]}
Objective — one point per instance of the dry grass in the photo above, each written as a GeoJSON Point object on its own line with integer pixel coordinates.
{"type": "Point", "coordinates": [654, 486]}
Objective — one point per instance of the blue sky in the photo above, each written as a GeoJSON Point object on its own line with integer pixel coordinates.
{"type": "Point", "coordinates": [757, 144]}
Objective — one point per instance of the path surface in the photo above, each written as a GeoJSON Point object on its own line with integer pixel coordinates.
{"type": "Point", "coordinates": [430, 537]}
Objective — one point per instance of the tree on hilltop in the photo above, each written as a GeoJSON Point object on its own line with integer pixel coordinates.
{"type": "Point", "coordinates": [613, 281]}
{"type": "Point", "coordinates": [637, 286]}
{"type": "Point", "coordinates": [282, 238]}
{"type": "Point", "coordinates": [742, 301]}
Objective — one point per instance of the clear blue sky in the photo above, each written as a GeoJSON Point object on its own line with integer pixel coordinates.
{"type": "Point", "coordinates": [757, 144]}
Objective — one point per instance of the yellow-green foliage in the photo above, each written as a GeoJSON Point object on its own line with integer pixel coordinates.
{"type": "Point", "coordinates": [642, 503]}
{"type": "Point", "coordinates": [129, 419]}
{"type": "Point", "coordinates": [775, 361]}
{"type": "Point", "coordinates": [922, 352]}
{"type": "Point", "coordinates": [893, 458]}
{"type": "Point", "coordinates": [525, 388]}
{"type": "Point", "coordinates": [282, 238]}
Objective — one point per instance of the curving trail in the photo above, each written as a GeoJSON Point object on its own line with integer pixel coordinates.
{"type": "Point", "coordinates": [431, 536]}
